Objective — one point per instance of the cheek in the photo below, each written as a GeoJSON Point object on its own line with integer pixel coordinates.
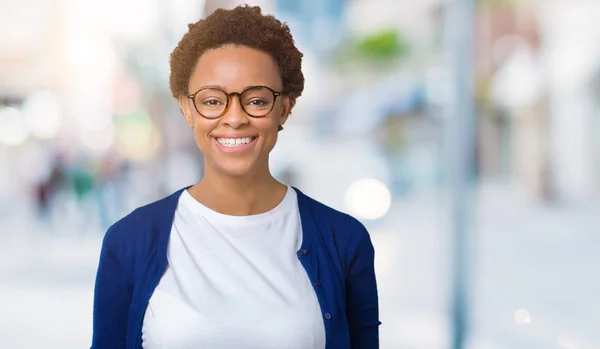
{"type": "Point", "coordinates": [201, 131]}
{"type": "Point", "coordinates": [270, 133]}
{"type": "Point", "coordinates": [267, 125]}
{"type": "Point", "coordinates": [201, 139]}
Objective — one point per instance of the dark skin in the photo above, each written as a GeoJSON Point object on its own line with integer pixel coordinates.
{"type": "Point", "coordinates": [237, 183]}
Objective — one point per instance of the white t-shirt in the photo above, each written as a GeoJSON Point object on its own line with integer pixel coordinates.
{"type": "Point", "coordinates": [234, 282]}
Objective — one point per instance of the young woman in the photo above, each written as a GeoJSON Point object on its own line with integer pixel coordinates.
{"type": "Point", "coordinates": [238, 260]}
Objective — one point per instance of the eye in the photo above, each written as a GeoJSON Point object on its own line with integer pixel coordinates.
{"type": "Point", "coordinates": [258, 102]}
{"type": "Point", "coordinates": [212, 102]}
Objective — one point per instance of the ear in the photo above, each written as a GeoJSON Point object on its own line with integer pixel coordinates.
{"type": "Point", "coordinates": [187, 109]}
{"type": "Point", "coordinates": [287, 105]}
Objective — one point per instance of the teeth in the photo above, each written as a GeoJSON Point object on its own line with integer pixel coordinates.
{"type": "Point", "coordinates": [234, 142]}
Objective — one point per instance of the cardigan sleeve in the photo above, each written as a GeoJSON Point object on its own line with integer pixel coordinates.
{"type": "Point", "coordinates": [111, 301]}
{"type": "Point", "coordinates": [361, 291]}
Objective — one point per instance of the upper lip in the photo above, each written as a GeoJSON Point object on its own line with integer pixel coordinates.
{"type": "Point", "coordinates": [234, 136]}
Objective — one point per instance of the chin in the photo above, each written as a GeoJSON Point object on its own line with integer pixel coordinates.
{"type": "Point", "coordinates": [233, 169]}
{"type": "Point", "coordinates": [237, 173]}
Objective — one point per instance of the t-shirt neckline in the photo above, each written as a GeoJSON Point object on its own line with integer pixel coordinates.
{"type": "Point", "coordinates": [197, 208]}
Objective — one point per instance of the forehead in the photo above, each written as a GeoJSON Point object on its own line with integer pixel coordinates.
{"type": "Point", "coordinates": [234, 68]}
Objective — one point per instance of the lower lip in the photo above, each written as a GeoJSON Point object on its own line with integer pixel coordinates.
{"type": "Point", "coordinates": [237, 149]}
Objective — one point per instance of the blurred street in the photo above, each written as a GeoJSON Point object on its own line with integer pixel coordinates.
{"type": "Point", "coordinates": [388, 129]}
{"type": "Point", "coordinates": [537, 259]}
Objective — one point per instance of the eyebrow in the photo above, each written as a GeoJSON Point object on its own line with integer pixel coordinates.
{"type": "Point", "coordinates": [211, 86]}
{"type": "Point", "coordinates": [224, 89]}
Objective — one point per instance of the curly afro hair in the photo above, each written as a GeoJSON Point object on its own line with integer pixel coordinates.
{"type": "Point", "coordinates": [243, 26]}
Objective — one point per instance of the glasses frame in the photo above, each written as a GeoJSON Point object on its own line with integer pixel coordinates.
{"type": "Point", "coordinates": [239, 96]}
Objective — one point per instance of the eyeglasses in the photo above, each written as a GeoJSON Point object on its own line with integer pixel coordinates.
{"type": "Point", "coordinates": [212, 103]}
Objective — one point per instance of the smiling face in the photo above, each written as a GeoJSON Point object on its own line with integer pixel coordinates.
{"type": "Point", "coordinates": [235, 144]}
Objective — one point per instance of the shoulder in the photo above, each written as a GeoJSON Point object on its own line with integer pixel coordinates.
{"type": "Point", "coordinates": [326, 215]}
{"type": "Point", "coordinates": [346, 232]}
{"type": "Point", "coordinates": [143, 221]}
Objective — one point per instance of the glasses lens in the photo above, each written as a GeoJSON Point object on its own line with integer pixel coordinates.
{"type": "Point", "coordinates": [210, 102]}
{"type": "Point", "coordinates": [258, 101]}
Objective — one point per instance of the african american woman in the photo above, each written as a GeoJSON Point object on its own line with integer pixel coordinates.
{"type": "Point", "coordinates": [237, 260]}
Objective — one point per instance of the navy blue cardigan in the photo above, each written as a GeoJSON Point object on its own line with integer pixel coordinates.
{"type": "Point", "coordinates": [336, 253]}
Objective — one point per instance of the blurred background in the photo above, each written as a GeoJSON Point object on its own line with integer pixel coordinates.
{"type": "Point", "coordinates": [89, 131]}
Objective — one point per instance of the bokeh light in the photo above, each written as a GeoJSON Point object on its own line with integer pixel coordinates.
{"type": "Point", "coordinates": [99, 139]}
{"type": "Point", "coordinates": [43, 115]}
{"type": "Point", "coordinates": [136, 137]}
{"type": "Point", "coordinates": [13, 129]}
{"type": "Point", "coordinates": [522, 317]}
{"type": "Point", "coordinates": [368, 199]}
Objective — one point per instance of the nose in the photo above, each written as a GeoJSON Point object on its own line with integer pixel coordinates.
{"type": "Point", "coordinates": [235, 116]}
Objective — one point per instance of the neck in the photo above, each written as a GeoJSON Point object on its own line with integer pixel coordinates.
{"type": "Point", "coordinates": [238, 196]}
